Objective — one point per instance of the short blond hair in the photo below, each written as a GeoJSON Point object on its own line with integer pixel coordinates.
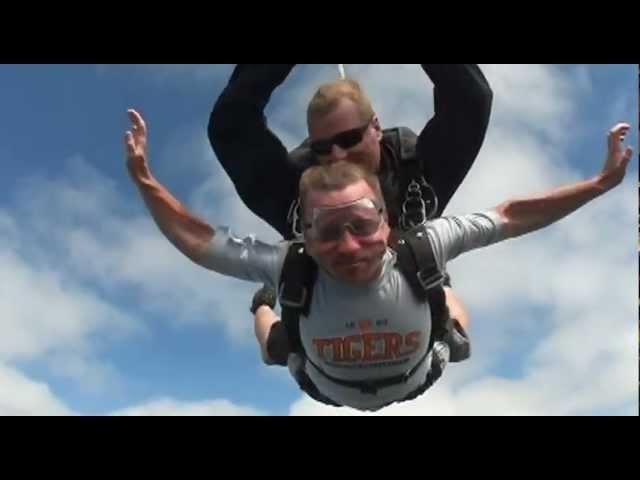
{"type": "Point", "coordinates": [334, 177]}
{"type": "Point", "coordinates": [327, 97]}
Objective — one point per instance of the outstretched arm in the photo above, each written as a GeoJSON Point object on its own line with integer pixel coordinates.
{"type": "Point", "coordinates": [453, 236]}
{"type": "Point", "coordinates": [218, 250]}
{"type": "Point", "coordinates": [188, 234]}
{"type": "Point", "coordinates": [526, 215]}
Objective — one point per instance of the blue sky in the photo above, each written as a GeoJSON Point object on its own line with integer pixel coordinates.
{"type": "Point", "coordinates": [99, 315]}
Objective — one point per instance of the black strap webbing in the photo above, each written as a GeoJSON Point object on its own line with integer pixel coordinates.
{"type": "Point", "coordinates": [418, 265]}
{"type": "Point", "coordinates": [296, 289]}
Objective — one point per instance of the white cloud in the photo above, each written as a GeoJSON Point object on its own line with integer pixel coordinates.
{"type": "Point", "coordinates": [170, 407]}
{"type": "Point", "coordinates": [539, 97]}
{"type": "Point", "coordinates": [24, 396]}
{"type": "Point", "coordinates": [93, 376]}
{"type": "Point", "coordinates": [44, 311]}
{"type": "Point", "coordinates": [49, 315]}
{"type": "Point", "coordinates": [21, 396]}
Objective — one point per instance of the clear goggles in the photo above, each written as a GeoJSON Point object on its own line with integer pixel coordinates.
{"type": "Point", "coordinates": [361, 218]}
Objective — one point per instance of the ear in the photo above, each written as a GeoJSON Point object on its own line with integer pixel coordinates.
{"type": "Point", "coordinates": [376, 126]}
{"type": "Point", "coordinates": [310, 247]}
{"type": "Point", "coordinates": [386, 232]}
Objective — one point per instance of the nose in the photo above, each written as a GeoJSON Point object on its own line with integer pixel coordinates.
{"type": "Point", "coordinates": [348, 243]}
{"type": "Point", "coordinates": [337, 154]}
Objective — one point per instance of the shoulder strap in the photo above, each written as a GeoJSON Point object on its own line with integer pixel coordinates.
{"type": "Point", "coordinates": [297, 279]}
{"type": "Point", "coordinates": [418, 265]}
{"type": "Point", "coordinates": [403, 142]}
{"type": "Point", "coordinates": [407, 141]}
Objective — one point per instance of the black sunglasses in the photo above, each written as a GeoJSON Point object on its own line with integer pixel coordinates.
{"type": "Point", "coordinates": [344, 140]}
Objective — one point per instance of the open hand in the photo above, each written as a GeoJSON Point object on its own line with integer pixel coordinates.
{"type": "Point", "coordinates": [618, 157]}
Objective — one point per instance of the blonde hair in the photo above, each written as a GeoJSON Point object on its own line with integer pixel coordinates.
{"type": "Point", "coordinates": [327, 97]}
{"type": "Point", "coordinates": [334, 177]}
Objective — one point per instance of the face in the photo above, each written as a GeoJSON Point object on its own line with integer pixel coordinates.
{"type": "Point", "coordinates": [346, 120]}
{"type": "Point", "coordinates": [349, 256]}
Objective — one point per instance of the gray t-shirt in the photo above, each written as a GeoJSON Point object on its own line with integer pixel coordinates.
{"type": "Point", "coordinates": [360, 332]}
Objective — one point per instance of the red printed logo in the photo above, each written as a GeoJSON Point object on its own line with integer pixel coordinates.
{"type": "Point", "coordinates": [365, 325]}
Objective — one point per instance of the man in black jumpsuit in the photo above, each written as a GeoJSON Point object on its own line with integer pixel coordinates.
{"type": "Point", "coordinates": [266, 175]}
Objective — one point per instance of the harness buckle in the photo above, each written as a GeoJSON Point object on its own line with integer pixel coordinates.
{"type": "Point", "coordinates": [416, 208]}
{"type": "Point", "coordinates": [429, 280]}
{"type": "Point", "coordinates": [287, 300]}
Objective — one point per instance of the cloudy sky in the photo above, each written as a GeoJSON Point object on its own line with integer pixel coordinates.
{"type": "Point", "coordinates": [99, 315]}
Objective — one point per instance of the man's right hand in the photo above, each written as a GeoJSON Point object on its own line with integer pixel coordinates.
{"type": "Point", "coordinates": [186, 232]}
{"type": "Point", "coordinates": [136, 142]}
{"type": "Point", "coordinates": [618, 158]}
{"type": "Point", "coordinates": [528, 214]}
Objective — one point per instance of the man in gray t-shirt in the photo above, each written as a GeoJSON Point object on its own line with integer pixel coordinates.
{"type": "Point", "coordinates": [364, 324]}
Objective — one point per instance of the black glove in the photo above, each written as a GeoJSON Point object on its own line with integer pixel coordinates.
{"type": "Point", "coordinates": [266, 296]}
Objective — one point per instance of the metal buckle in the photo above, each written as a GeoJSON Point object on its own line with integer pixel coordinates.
{"type": "Point", "coordinates": [416, 206]}
{"type": "Point", "coordinates": [295, 220]}
{"type": "Point", "coordinates": [293, 303]}
{"type": "Point", "coordinates": [430, 281]}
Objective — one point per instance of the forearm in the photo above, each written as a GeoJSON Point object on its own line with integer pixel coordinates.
{"type": "Point", "coordinates": [256, 82]}
{"type": "Point", "coordinates": [237, 125]}
{"type": "Point", "coordinates": [265, 319]}
{"type": "Point", "coordinates": [527, 215]}
{"type": "Point", "coordinates": [187, 233]}
{"type": "Point", "coordinates": [463, 84]}
{"type": "Point", "coordinates": [450, 142]}
{"type": "Point", "coordinates": [247, 94]}
{"type": "Point", "coordinates": [248, 150]}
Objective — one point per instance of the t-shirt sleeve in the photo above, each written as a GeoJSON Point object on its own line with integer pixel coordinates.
{"type": "Point", "coordinates": [453, 236]}
{"type": "Point", "coordinates": [244, 258]}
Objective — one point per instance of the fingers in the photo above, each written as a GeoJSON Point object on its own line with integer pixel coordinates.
{"type": "Point", "coordinates": [128, 140]}
{"type": "Point", "coordinates": [619, 131]}
{"type": "Point", "coordinates": [617, 135]}
{"type": "Point", "coordinates": [139, 125]}
{"type": "Point", "coordinates": [620, 127]}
